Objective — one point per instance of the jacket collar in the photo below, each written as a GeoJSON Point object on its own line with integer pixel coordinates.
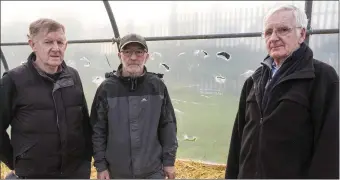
{"type": "Point", "coordinates": [132, 82]}
{"type": "Point", "coordinates": [299, 63]}
{"type": "Point", "coordinates": [62, 68]}
{"type": "Point", "coordinates": [119, 72]}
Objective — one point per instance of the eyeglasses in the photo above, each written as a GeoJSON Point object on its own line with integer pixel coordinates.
{"type": "Point", "coordinates": [129, 53]}
{"type": "Point", "coordinates": [280, 31]}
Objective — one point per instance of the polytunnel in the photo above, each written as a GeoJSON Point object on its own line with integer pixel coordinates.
{"type": "Point", "coordinates": [208, 49]}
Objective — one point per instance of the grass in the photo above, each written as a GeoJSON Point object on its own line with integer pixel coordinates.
{"type": "Point", "coordinates": [210, 120]}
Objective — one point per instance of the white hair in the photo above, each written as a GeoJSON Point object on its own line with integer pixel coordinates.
{"type": "Point", "coordinates": [300, 15]}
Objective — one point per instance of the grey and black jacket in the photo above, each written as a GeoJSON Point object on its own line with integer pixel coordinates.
{"type": "Point", "coordinates": [134, 125]}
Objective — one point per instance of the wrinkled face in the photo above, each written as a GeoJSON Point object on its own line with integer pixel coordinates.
{"type": "Point", "coordinates": [133, 58]}
{"type": "Point", "coordinates": [49, 47]}
{"type": "Point", "coordinates": [281, 34]}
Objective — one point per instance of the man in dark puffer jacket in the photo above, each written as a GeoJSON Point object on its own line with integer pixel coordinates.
{"type": "Point", "coordinates": [44, 102]}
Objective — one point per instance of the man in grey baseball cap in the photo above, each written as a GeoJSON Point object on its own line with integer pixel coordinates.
{"type": "Point", "coordinates": [133, 119]}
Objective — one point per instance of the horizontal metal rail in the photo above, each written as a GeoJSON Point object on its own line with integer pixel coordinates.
{"type": "Point", "coordinates": [185, 37]}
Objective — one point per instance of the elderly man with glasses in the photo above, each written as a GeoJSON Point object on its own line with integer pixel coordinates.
{"type": "Point", "coordinates": [133, 119]}
{"type": "Point", "coordinates": [287, 124]}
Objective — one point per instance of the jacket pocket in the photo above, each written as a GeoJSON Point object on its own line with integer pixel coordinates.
{"type": "Point", "coordinates": [296, 99]}
{"type": "Point", "coordinates": [289, 117]}
{"type": "Point", "coordinates": [23, 151]}
{"type": "Point", "coordinates": [23, 159]}
{"type": "Point", "coordinates": [252, 109]}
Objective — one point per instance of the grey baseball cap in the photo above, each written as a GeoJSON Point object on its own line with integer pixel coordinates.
{"type": "Point", "coordinates": [132, 38]}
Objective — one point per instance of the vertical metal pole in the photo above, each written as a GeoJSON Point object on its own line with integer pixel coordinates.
{"type": "Point", "coordinates": [112, 20]}
{"type": "Point", "coordinates": [0, 78]}
{"type": "Point", "coordinates": [4, 62]}
{"type": "Point", "coordinates": [308, 10]}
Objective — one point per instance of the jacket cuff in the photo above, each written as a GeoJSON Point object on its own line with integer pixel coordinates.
{"type": "Point", "coordinates": [9, 164]}
{"type": "Point", "coordinates": [168, 162]}
{"type": "Point", "coordinates": [101, 166]}
{"type": "Point", "coordinates": [8, 161]}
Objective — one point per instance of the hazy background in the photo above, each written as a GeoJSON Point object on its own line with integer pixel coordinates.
{"type": "Point", "coordinates": [205, 105]}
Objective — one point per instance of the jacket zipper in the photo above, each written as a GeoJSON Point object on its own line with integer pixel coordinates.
{"type": "Point", "coordinates": [258, 163]}
{"type": "Point", "coordinates": [56, 111]}
{"type": "Point", "coordinates": [259, 170]}
{"type": "Point", "coordinates": [259, 149]}
{"type": "Point", "coordinates": [55, 108]}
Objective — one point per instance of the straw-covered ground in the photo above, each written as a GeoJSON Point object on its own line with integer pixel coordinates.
{"type": "Point", "coordinates": [185, 170]}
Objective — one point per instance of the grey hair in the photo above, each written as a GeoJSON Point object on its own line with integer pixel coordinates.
{"type": "Point", "coordinates": [44, 23]}
{"type": "Point", "coordinates": [300, 15]}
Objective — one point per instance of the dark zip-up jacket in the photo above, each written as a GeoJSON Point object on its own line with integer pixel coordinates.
{"type": "Point", "coordinates": [134, 126]}
{"type": "Point", "coordinates": [51, 133]}
{"type": "Point", "coordinates": [287, 126]}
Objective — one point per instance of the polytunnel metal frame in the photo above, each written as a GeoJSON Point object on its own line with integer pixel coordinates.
{"type": "Point", "coordinates": [308, 10]}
